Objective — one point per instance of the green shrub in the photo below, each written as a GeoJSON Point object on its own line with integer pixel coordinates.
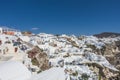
{"type": "Point", "coordinates": [75, 73]}
{"type": "Point", "coordinates": [35, 62]}
{"type": "Point", "coordinates": [91, 46]}
{"type": "Point", "coordinates": [84, 76]}
{"type": "Point", "coordinates": [39, 71]}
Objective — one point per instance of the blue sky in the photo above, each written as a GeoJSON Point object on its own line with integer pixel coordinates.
{"type": "Point", "coordinates": [61, 16]}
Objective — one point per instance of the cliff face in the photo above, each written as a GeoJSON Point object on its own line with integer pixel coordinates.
{"type": "Point", "coordinates": [111, 49]}
{"type": "Point", "coordinates": [39, 58]}
{"type": "Point", "coordinates": [112, 53]}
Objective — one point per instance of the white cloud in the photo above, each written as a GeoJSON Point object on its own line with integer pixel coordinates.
{"type": "Point", "coordinates": [35, 28]}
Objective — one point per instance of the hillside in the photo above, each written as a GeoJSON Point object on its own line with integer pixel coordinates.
{"type": "Point", "coordinates": [83, 57]}
{"type": "Point", "coordinates": [107, 34]}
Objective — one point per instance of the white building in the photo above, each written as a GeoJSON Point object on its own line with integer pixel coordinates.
{"type": "Point", "coordinates": [12, 70]}
{"type": "Point", "coordinates": [9, 31]}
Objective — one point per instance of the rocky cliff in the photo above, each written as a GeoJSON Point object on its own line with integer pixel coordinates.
{"type": "Point", "coordinates": [39, 58]}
